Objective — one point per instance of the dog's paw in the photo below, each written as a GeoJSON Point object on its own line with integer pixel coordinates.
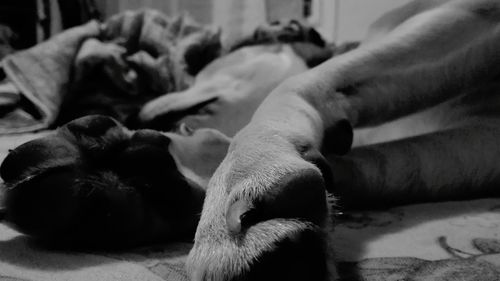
{"type": "Point", "coordinates": [265, 218]}
{"type": "Point", "coordinates": [95, 183]}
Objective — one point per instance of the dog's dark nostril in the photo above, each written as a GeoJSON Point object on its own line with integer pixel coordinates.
{"type": "Point", "coordinates": [249, 218]}
{"type": "Point", "coordinates": [299, 257]}
{"type": "Point", "coordinates": [240, 216]}
{"type": "Point", "coordinates": [234, 216]}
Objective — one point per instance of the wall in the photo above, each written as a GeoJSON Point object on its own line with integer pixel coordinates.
{"type": "Point", "coordinates": [199, 9]}
{"type": "Point", "coordinates": [337, 20]}
{"type": "Point", "coordinates": [354, 16]}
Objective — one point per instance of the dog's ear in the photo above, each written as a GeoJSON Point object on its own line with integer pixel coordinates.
{"type": "Point", "coordinates": [37, 155]}
{"type": "Point", "coordinates": [338, 138]}
{"type": "Point", "coordinates": [164, 112]}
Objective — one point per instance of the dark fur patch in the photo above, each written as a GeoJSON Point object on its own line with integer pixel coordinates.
{"type": "Point", "coordinates": [105, 189]}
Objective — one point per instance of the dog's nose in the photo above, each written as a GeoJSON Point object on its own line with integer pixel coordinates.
{"type": "Point", "coordinates": [299, 196]}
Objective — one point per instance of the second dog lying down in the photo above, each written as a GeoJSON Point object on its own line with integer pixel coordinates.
{"type": "Point", "coordinates": [99, 181]}
{"type": "Point", "coordinates": [84, 166]}
{"type": "Point", "coordinates": [433, 64]}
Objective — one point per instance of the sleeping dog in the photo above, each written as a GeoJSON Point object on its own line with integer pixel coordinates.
{"type": "Point", "coordinates": [420, 91]}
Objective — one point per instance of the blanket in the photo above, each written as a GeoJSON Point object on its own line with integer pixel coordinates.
{"type": "Point", "coordinates": [112, 68]}
{"type": "Point", "coordinates": [434, 241]}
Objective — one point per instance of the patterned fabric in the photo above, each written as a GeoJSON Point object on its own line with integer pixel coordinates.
{"type": "Point", "coordinates": [440, 241]}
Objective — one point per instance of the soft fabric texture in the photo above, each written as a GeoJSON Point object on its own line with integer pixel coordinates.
{"type": "Point", "coordinates": [145, 59]}
{"type": "Point", "coordinates": [41, 74]}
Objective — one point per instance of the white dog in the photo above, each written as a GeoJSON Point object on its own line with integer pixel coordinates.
{"type": "Point", "coordinates": [425, 82]}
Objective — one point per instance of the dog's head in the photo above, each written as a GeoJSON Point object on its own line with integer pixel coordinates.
{"type": "Point", "coordinates": [95, 183]}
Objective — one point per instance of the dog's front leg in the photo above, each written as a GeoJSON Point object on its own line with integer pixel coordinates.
{"type": "Point", "coordinates": [454, 164]}
{"type": "Point", "coordinates": [424, 61]}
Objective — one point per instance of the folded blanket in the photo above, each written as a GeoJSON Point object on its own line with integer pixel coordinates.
{"type": "Point", "coordinates": [6, 38]}
{"type": "Point", "coordinates": [41, 74]}
{"type": "Point", "coordinates": [131, 58]}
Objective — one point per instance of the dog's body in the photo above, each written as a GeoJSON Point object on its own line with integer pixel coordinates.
{"type": "Point", "coordinates": [428, 73]}
{"type": "Point", "coordinates": [228, 91]}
